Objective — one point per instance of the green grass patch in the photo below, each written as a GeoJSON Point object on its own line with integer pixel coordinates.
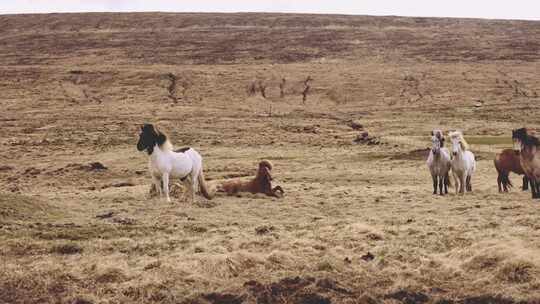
{"type": "Point", "coordinates": [489, 140]}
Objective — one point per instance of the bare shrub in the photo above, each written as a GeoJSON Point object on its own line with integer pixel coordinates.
{"type": "Point", "coordinates": [69, 248]}
{"type": "Point", "coordinates": [282, 88]}
{"type": "Point", "coordinates": [517, 272]}
{"type": "Point", "coordinates": [307, 87]}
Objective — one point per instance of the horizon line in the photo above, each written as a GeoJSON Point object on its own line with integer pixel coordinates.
{"type": "Point", "coordinates": [265, 12]}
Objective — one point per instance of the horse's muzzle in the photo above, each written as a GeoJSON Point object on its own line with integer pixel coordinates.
{"type": "Point", "coordinates": [140, 146]}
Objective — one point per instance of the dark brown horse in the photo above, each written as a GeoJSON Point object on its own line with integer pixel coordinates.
{"type": "Point", "coordinates": [529, 157]}
{"type": "Point", "coordinates": [505, 162]}
{"type": "Point", "coordinates": [262, 183]}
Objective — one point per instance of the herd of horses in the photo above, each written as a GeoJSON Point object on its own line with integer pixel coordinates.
{"type": "Point", "coordinates": [523, 159]}
{"type": "Point", "coordinates": [185, 164]}
{"type": "Point", "coordinates": [166, 164]}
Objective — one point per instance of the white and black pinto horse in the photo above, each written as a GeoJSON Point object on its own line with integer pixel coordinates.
{"type": "Point", "coordinates": [438, 163]}
{"type": "Point", "coordinates": [166, 164]}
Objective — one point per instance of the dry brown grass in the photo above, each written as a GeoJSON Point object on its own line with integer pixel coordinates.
{"type": "Point", "coordinates": [358, 223]}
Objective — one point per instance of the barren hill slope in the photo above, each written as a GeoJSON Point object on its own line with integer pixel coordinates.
{"type": "Point", "coordinates": [358, 220]}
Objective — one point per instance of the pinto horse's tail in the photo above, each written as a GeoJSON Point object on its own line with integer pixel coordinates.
{"type": "Point", "coordinates": [203, 187]}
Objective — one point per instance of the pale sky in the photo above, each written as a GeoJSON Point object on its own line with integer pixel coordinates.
{"type": "Point", "coordinates": [500, 9]}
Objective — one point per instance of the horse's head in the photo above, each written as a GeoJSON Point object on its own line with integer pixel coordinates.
{"type": "Point", "coordinates": [264, 170]}
{"type": "Point", "coordinates": [458, 143]}
{"type": "Point", "coordinates": [524, 137]}
{"type": "Point", "coordinates": [437, 140]}
{"type": "Point", "coordinates": [149, 137]}
{"type": "Point", "coordinates": [519, 136]}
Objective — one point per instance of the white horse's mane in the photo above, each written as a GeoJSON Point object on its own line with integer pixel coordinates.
{"type": "Point", "coordinates": [459, 135]}
{"type": "Point", "coordinates": [166, 146]}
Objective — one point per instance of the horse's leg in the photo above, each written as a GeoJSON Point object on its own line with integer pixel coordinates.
{"type": "Point", "coordinates": [274, 192]}
{"type": "Point", "coordinates": [535, 184]}
{"type": "Point", "coordinates": [165, 179]}
{"type": "Point", "coordinates": [469, 184]}
{"type": "Point", "coordinates": [188, 184]}
{"type": "Point", "coordinates": [446, 182]}
{"type": "Point", "coordinates": [533, 187]}
{"type": "Point", "coordinates": [194, 187]}
{"type": "Point", "coordinates": [434, 177]}
{"type": "Point", "coordinates": [195, 182]}
{"type": "Point", "coordinates": [525, 183]}
{"type": "Point", "coordinates": [278, 189]}
{"type": "Point", "coordinates": [499, 182]}
{"type": "Point", "coordinates": [157, 185]}
{"type": "Point", "coordinates": [504, 179]}
{"type": "Point", "coordinates": [441, 184]}
{"type": "Point", "coordinates": [463, 181]}
{"type": "Point", "coordinates": [457, 179]}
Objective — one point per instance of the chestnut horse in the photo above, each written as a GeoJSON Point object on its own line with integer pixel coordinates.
{"type": "Point", "coordinates": [505, 162]}
{"type": "Point", "coordinates": [529, 157]}
{"type": "Point", "coordinates": [262, 183]}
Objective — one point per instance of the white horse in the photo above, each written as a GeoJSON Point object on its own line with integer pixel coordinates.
{"type": "Point", "coordinates": [438, 163]}
{"type": "Point", "coordinates": [164, 163]}
{"type": "Point", "coordinates": [463, 162]}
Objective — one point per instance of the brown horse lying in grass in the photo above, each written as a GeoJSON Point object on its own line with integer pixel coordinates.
{"type": "Point", "coordinates": [262, 183]}
{"type": "Point", "coordinates": [505, 162]}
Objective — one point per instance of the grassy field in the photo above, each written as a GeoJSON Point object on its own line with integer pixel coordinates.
{"type": "Point", "coordinates": [358, 222]}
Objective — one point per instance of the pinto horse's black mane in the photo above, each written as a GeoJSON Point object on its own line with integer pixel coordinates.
{"type": "Point", "coordinates": [149, 137]}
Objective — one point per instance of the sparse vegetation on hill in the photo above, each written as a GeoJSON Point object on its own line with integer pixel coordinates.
{"type": "Point", "coordinates": [358, 222]}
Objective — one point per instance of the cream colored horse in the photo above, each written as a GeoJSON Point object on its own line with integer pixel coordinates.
{"type": "Point", "coordinates": [463, 163]}
{"type": "Point", "coordinates": [439, 163]}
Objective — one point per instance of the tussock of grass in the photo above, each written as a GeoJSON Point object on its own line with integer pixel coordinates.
{"type": "Point", "coordinates": [23, 285]}
{"type": "Point", "coordinates": [110, 275]}
{"type": "Point", "coordinates": [22, 247]}
{"type": "Point", "coordinates": [68, 248]}
{"type": "Point", "coordinates": [20, 207]}
{"type": "Point", "coordinates": [518, 271]}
